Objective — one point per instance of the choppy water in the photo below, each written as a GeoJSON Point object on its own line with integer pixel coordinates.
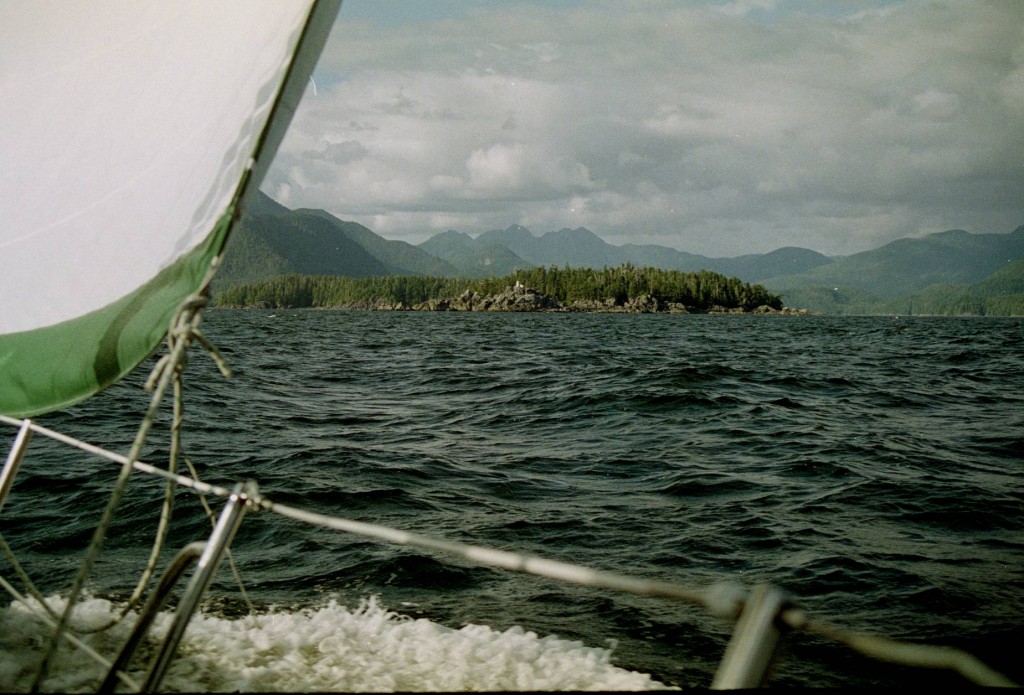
{"type": "Point", "coordinates": [870, 466]}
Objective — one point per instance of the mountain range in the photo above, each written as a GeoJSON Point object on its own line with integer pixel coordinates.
{"type": "Point", "coordinates": [273, 240]}
{"type": "Point", "coordinates": [500, 251]}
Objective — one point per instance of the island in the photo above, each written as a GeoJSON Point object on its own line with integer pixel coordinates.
{"type": "Point", "coordinates": [626, 289]}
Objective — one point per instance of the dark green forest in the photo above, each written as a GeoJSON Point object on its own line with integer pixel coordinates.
{"type": "Point", "coordinates": [1000, 294]}
{"type": "Point", "coordinates": [698, 291]}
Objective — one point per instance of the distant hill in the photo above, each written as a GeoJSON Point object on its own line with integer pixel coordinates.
{"type": "Point", "coordinates": [1006, 281]}
{"type": "Point", "coordinates": [906, 266]}
{"type": "Point", "coordinates": [399, 257]}
{"type": "Point", "coordinates": [1000, 294]}
{"type": "Point", "coordinates": [273, 240]}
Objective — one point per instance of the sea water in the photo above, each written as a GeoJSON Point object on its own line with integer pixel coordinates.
{"type": "Point", "coordinates": [870, 467]}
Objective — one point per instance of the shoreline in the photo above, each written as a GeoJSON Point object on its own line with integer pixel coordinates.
{"type": "Point", "coordinates": [521, 299]}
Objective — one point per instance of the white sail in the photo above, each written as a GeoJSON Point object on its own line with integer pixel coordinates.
{"type": "Point", "coordinates": [128, 133]}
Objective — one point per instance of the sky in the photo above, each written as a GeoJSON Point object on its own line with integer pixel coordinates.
{"type": "Point", "coordinates": [716, 127]}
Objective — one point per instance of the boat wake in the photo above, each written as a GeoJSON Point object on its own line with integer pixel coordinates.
{"type": "Point", "coordinates": [331, 648]}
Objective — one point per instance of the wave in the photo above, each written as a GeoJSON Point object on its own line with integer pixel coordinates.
{"type": "Point", "coordinates": [329, 648]}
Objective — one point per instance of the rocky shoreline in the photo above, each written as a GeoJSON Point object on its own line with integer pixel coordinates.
{"type": "Point", "coordinates": [522, 298]}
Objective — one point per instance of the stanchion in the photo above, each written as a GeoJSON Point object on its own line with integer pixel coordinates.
{"type": "Point", "coordinates": [752, 648]}
{"type": "Point", "coordinates": [221, 537]}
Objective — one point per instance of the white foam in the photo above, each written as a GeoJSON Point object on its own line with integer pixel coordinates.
{"type": "Point", "coordinates": [332, 648]}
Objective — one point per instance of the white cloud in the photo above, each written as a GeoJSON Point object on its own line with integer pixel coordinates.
{"type": "Point", "coordinates": [339, 152]}
{"type": "Point", "coordinates": [497, 169]}
{"type": "Point", "coordinates": [718, 128]}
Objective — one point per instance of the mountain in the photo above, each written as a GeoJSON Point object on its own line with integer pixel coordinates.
{"type": "Point", "coordinates": [1008, 280]}
{"type": "Point", "coordinates": [667, 258]}
{"type": "Point", "coordinates": [576, 248]}
{"type": "Point", "coordinates": [581, 248]}
{"type": "Point", "coordinates": [263, 203]}
{"type": "Point", "coordinates": [450, 243]}
{"type": "Point", "coordinates": [472, 259]}
{"type": "Point", "coordinates": [905, 266]}
{"type": "Point", "coordinates": [273, 240]}
{"type": "Point", "coordinates": [515, 238]}
{"type": "Point", "coordinates": [788, 260]}
{"type": "Point", "coordinates": [270, 243]}
{"type": "Point", "coordinates": [399, 257]}
{"type": "Point", "coordinates": [936, 273]}
{"type": "Point", "coordinates": [1000, 294]}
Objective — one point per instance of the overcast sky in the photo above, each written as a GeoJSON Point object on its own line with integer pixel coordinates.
{"type": "Point", "coordinates": [714, 127]}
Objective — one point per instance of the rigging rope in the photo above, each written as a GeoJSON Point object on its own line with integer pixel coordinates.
{"type": "Point", "coordinates": [183, 330]}
{"type": "Point", "coordinates": [23, 576]}
{"type": "Point", "coordinates": [227, 551]}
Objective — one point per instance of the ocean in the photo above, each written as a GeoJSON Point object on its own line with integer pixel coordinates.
{"type": "Point", "coordinates": [873, 468]}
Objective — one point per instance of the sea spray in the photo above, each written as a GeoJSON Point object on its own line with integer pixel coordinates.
{"type": "Point", "coordinates": [329, 648]}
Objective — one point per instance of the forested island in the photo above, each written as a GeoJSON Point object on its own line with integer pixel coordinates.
{"type": "Point", "coordinates": [950, 273]}
{"type": "Point", "coordinates": [625, 288]}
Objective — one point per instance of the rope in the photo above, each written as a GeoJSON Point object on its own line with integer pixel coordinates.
{"type": "Point", "coordinates": [231, 558]}
{"type": "Point", "coordinates": [184, 329]}
{"type": "Point", "coordinates": [165, 512]}
{"type": "Point", "coordinates": [163, 527]}
{"type": "Point", "coordinates": [23, 576]}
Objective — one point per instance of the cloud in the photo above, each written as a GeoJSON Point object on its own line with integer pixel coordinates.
{"type": "Point", "coordinates": [716, 128]}
{"type": "Point", "coordinates": [338, 152]}
{"type": "Point", "coordinates": [514, 170]}
{"type": "Point", "coordinates": [499, 167]}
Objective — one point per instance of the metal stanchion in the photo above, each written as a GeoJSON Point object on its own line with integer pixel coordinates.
{"type": "Point", "coordinates": [221, 537]}
{"type": "Point", "coordinates": [21, 441]}
{"type": "Point", "coordinates": [754, 641]}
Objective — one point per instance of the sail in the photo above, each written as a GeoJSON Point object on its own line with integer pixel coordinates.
{"type": "Point", "coordinates": [129, 133]}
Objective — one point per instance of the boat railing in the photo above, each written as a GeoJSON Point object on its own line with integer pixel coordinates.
{"type": "Point", "coordinates": [762, 615]}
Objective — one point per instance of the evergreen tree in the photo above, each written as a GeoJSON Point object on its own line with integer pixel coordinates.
{"type": "Point", "coordinates": [698, 291]}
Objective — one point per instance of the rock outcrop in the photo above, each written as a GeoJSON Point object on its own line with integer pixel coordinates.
{"type": "Point", "coordinates": [514, 298]}
{"type": "Point", "coordinates": [519, 297]}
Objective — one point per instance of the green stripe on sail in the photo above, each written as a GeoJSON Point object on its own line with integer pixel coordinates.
{"type": "Point", "coordinates": [56, 366]}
